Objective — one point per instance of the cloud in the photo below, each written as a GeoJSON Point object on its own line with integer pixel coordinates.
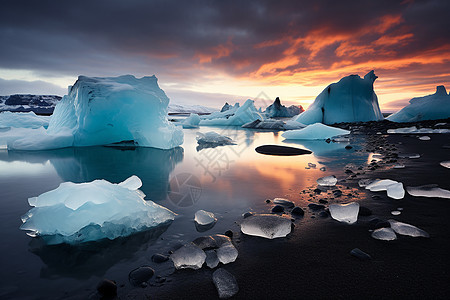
{"type": "Point", "coordinates": [8, 87]}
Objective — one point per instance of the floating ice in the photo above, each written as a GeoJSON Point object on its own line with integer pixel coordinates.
{"type": "Point", "coordinates": [278, 110]}
{"type": "Point", "coordinates": [81, 212]}
{"type": "Point", "coordinates": [204, 217]}
{"type": "Point", "coordinates": [407, 229]}
{"type": "Point", "coordinates": [352, 99]}
{"type": "Point", "coordinates": [431, 107]}
{"type": "Point", "coordinates": [267, 226]}
{"type": "Point", "coordinates": [99, 111]}
{"type": "Point", "coordinates": [237, 116]}
{"type": "Point", "coordinates": [23, 120]}
{"type": "Point", "coordinates": [414, 130]}
{"type": "Point", "coordinates": [394, 189]}
{"type": "Point", "coordinates": [327, 181]}
{"type": "Point", "coordinates": [384, 234]}
{"type": "Point", "coordinates": [191, 122]}
{"type": "Point", "coordinates": [225, 283]}
{"type": "Point", "coordinates": [445, 164]}
{"type": "Point", "coordinates": [212, 138]}
{"type": "Point", "coordinates": [430, 190]}
{"type": "Point", "coordinates": [284, 202]}
{"type": "Point", "coordinates": [317, 131]}
{"type": "Point", "coordinates": [273, 125]}
{"type": "Point", "coordinates": [188, 256]}
{"type": "Point", "coordinates": [347, 213]}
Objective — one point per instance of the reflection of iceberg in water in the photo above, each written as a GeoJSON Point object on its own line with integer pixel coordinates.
{"type": "Point", "coordinates": [86, 164]}
{"type": "Point", "coordinates": [93, 258]}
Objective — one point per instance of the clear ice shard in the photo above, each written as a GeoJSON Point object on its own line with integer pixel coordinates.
{"type": "Point", "coordinates": [407, 229]}
{"type": "Point", "coordinates": [188, 256]}
{"type": "Point", "coordinates": [384, 234]}
{"type": "Point", "coordinates": [393, 188]}
{"type": "Point", "coordinates": [346, 213]}
{"type": "Point", "coordinates": [212, 260]}
{"type": "Point", "coordinates": [227, 253]}
{"type": "Point", "coordinates": [430, 190]}
{"type": "Point", "coordinates": [204, 217]}
{"type": "Point", "coordinates": [266, 226]}
{"type": "Point", "coordinates": [327, 181]}
{"type": "Point", "coordinates": [225, 283]}
{"type": "Point", "coordinates": [213, 138]}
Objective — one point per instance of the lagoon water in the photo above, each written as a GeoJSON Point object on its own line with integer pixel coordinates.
{"type": "Point", "coordinates": [227, 181]}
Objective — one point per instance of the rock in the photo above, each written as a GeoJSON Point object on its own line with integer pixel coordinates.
{"type": "Point", "coordinates": [107, 288]}
{"type": "Point", "coordinates": [248, 214]}
{"type": "Point", "coordinates": [315, 207]}
{"type": "Point", "coordinates": [360, 254]}
{"type": "Point", "coordinates": [229, 233]}
{"type": "Point", "coordinates": [205, 242]}
{"type": "Point", "coordinates": [284, 202]}
{"type": "Point", "coordinates": [297, 211]}
{"type": "Point", "coordinates": [323, 214]}
{"type": "Point", "coordinates": [317, 191]}
{"type": "Point", "coordinates": [281, 150]}
{"type": "Point", "coordinates": [140, 276]}
{"type": "Point", "coordinates": [364, 211]}
{"type": "Point", "coordinates": [278, 209]}
{"type": "Point", "coordinates": [225, 283]}
{"type": "Point", "coordinates": [348, 147]}
{"type": "Point", "coordinates": [159, 258]}
{"type": "Point", "coordinates": [323, 201]}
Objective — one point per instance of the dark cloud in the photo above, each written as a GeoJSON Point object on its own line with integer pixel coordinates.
{"type": "Point", "coordinates": [8, 87]}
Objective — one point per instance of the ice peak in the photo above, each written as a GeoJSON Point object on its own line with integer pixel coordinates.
{"type": "Point", "coordinates": [441, 91]}
{"type": "Point", "coordinates": [371, 76]}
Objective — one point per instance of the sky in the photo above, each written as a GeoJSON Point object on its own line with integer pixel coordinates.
{"type": "Point", "coordinates": [209, 52]}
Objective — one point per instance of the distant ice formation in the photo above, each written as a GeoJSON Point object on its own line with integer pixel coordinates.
{"type": "Point", "coordinates": [213, 139]}
{"type": "Point", "coordinates": [317, 131]}
{"type": "Point", "coordinates": [236, 116]}
{"type": "Point", "coordinates": [276, 109]}
{"type": "Point", "coordinates": [352, 99]}
{"type": "Point", "coordinates": [81, 212]}
{"type": "Point", "coordinates": [431, 107]}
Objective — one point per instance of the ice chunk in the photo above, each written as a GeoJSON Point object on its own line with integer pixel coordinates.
{"type": "Point", "coordinates": [352, 99]}
{"type": "Point", "coordinates": [365, 182]}
{"type": "Point", "coordinates": [327, 181]}
{"type": "Point", "coordinates": [278, 110]}
{"type": "Point", "coordinates": [267, 226]}
{"type": "Point", "coordinates": [237, 116]}
{"type": "Point", "coordinates": [431, 107]}
{"type": "Point", "coordinates": [407, 229]}
{"type": "Point", "coordinates": [283, 202]}
{"type": "Point", "coordinates": [225, 283]}
{"type": "Point", "coordinates": [394, 189]}
{"type": "Point", "coordinates": [356, 252]}
{"type": "Point", "coordinates": [409, 155]}
{"type": "Point", "coordinates": [212, 138]}
{"type": "Point", "coordinates": [23, 120]}
{"type": "Point", "coordinates": [395, 212]}
{"type": "Point", "coordinates": [347, 213]}
{"type": "Point", "coordinates": [192, 121]}
{"type": "Point", "coordinates": [204, 217]}
{"type": "Point", "coordinates": [445, 164]}
{"type": "Point", "coordinates": [384, 234]}
{"type": "Point", "coordinates": [34, 139]}
{"type": "Point", "coordinates": [81, 212]}
{"type": "Point", "coordinates": [227, 253]}
{"type": "Point", "coordinates": [430, 190]}
{"type": "Point", "coordinates": [212, 260]}
{"type": "Point", "coordinates": [424, 138]}
{"type": "Point", "coordinates": [414, 130]}
{"type": "Point", "coordinates": [398, 166]}
{"type": "Point", "coordinates": [317, 131]}
{"type": "Point", "coordinates": [188, 256]}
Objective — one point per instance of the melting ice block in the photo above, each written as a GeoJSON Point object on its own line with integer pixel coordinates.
{"type": "Point", "coordinates": [407, 229]}
{"type": "Point", "coordinates": [445, 164]}
{"type": "Point", "coordinates": [23, 120]}
{"type": "Point", "coordinates": [393, 188]}
{"type": "Point", "coordinates": [213, 138]}
{"type": "Point", "coordinates": [227, 253]}
{"type": "Point", "coordinates": [352, 99]}
{"type": "Point", "coordinates": [430, 190]}
{"type": "Point", "coordinates": [188, 256]}
{"type": "Point", "coordinates": [81, 212]}
{"type": "Point", "coordinates": [346, 213]}
{"type": "Point", "coordinates": [431, 107]}
{"type": "Point", "coordinates": [225, 283]}
{"type": "Point", "coordinates": [192, 121]}
{"type": "Point", "coordinates": [267, 226]}
{"type": "Point", "coordinates": [276, 109]}
{"type": "Point", "coordinates": [204, 217]}
{"type": "Point", "coordinates": [237, 116]}
{"type": "Point", "coordinates": [327, 181]}
{"type": "Point", "coordinates": [384, 234]}
{"type": "Point", "coordinates": [317, 131]}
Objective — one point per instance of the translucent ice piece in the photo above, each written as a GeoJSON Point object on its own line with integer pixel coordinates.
{"type": "Point", "coordinates": [267, 226]}
{"type": "Point", "coordinates": [384, 234]}
{"type": "Point", "coordinates": [327, 181]}
{"type": "Point", "coordinates": [225, 283]}
{"type": "Point", "coordinates": [188, 256]}
{"type": "Point", "coordinates": [204, 217]}
{"type": "Point", "coordinates": [407, 229]}
{"type": "Point", "coordinates": [347, 213]}
{"type": "Point", "coordinates": [430, 190]}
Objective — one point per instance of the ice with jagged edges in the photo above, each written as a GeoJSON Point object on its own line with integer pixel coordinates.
{"type": "Point", "coordinates": [346, 213]}
{"type": "Point", "coordinates": [327, 181]}
{"type": "Point", "coordinates": [191, 122]}
{"type": "Point", "coordinates": [99, 111]}
{"type": "Point", "coordinates": [393, 188]}
{"type": "Point", "coordinates": [81, 212]}
{"type": "Point", "coordinates": [236, 116]}
{"type": "Point", "coordinates": [276, 109]}
{"type": "Point", "coordinates": [414, 130]}
{"type": "Point", "coordinates": [352, 99]}
{"type": "Point", "coordinates": [266, 226]}
{"type": "Point", "coordinates": [225, 283]}
{"type": "Point", "coordinates": [23, 120]}
{"type": "Point", "coordinates": [203, 217]}
{"type": "Point", "coordinates": [317, 131]}
{"type": "Point", "coordinates": [213, 138]}
{"type": "Point", "coordinates": [429, 190]}
{"type": "Point", "coordinates": [188, 256]}
{"type": "Point", "coordinates": [407, 229]}
{"type": "Point", "coordinates": [431, 107]}
{"type": "Point", "coordinates": [384, 234]}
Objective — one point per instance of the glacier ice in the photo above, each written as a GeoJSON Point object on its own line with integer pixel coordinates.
{"type": "Point", "coordinates": [99, 111]}
{"type": "Point", "coordinates": [23, 120]}
{"type": "Point", "coordinates": [80, 212]}
{"type": "Point", "coordinates": [430, 190]}
{"type": "Point", "coordinates": [225, 283]}
{"type": "Point", "coordinates": [204, 217]}
{"type": "Point", "coordinates": [317, 131]}
{"type": "Point", "coordinates": [346, 213]}
{"type": "Point", "coordinates": [191, 122]}
{"type": "Point", "coordinates": [327, 181]}
{"type": "Point", "coordinates": [393, 188]}
{"type": "Point", "coordinates": [266, 226]}
{"type": "Point", "coordinates": [431, 107]}
{"type": "Point", "coordinates": [276, 109]}
{"type": "Point", "coordinates": [445, 164]}
{"type": "Point", "coordinates": [212, 139]}
{"type": "Point", "coordinates": [237, 116]}
{"type": "Point", "coordinates": [352, 99]}
{"type": "Point", "coordinates": [384, 234]}
{"type": "Point", "coordinates": [189, 256]}
{"type": "Point", "coordinates": [414, 130]}
{"type": "Point", "coordinates": [407, 229]}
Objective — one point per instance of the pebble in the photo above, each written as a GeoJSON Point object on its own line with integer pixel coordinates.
{"type": "Point", "coordinates": [358, 253]}
{"type": "Point", "coordinates": [140, 276]}
{"type": "Point", "coordinates": [298, 211]}
{"type": "Point", "coordinates": [107, 288]}
{"type": "Point", "coordinates": [277, 209]}
{"type": "Point", "coordinates": [159, 258]}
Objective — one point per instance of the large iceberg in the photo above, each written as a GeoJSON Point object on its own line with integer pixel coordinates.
{"type": "Point", "coordinates": [236, 116]}
{"type": "Point", "coordinates": [99, 111]}
{"type": "Point", "coordinates": [278, 110]}
{"type": "Point", "coordinates": [352, 99]}
{"type": "Point", "coordinates": [81, 212]}
{"type": "Point", "coordinates": [22, 120]}
{"type": "Point", "coordinates": [317, 131]}
{"type": "Point", "coordinates": [431, 107]}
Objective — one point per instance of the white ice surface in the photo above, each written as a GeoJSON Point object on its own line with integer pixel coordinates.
{"type": "Point", "coordinates": [237, 116]}
{"type": "Point", "coordinates": [429, 191]}
{"type": "Point", "coordinates": [384, 234]}
{"type": "Point", "coordinates": [267, 226]}
{"type": "Point", "coordinates": [317, 131]}
{"type": "Point", "coordinates": [407, 229]}
{"type": "Point", "coordinates": [327, 181]}
{"type": "Point", "coordinates": [346, 213]}
{"type": "Point", "coordinates": [23, 120]}
{"type": "Point", "coordinates": [393, 188]}
{"type": "Point", "coordinates": [204, 217]}
{"type": "Point", "coordinates": [189, 256]}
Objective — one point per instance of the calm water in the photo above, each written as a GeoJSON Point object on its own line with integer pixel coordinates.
{"type": "Point", "coordinates": [227, 180]}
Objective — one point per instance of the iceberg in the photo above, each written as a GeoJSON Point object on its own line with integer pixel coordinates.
{"type": "Point", "coordinates": [23, 120]}
{"type": "Point", "coordinates": [352, 99]}
{"type": "Point", "coordinates": [346, 213]}
{"type": "Point", "coordinates": [237, 116]}
{"type": "Point", "coordinates": [277, 110]}
{"type": "Point", "coordinates": [317, 131]}
{"type": "Point", "coordinates": [431, 107]}
{"type": "Point", "coordinates": [266, 226]}
{"type": "Point", "coordinates": [100, 111]}
{"type": "Point", "coordinates": [191, 122]}
{"type": "Point", "coordinates": [80, 212]}
{"type": "Point", "coordinates": [407, 229]}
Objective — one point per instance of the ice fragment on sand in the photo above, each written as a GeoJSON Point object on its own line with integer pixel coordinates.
{"type": "Point", "coordinates": [409, 155]}
{"type": "Point", "coordinates": [346, 213]}
{"type": "Point", "coordinates": [398, 166]}
{"type": "Point", "coordinates": [358, 253]}
{"type": "Point", "coordinates": [284, 202]}
{"type": "Point", "coordinates": [424, 138]}
{"type": "Point", "coordinates": [395, 212]}
{"type": "Point", "coordinates": [365, 182]}
{"type": "Point", "coordinates": [445, 164]}
{"type": "Point", "coordinates": [384, 234]}
{"type": "Point", "coordinates": [204, 217]}
{"type": "Point", "coordinates": [327, 181]}
{"type": "Point", "coordinates": [188, 256]}
{"type": "Point", "coordinates": [431, 190]}
{"type": "Point", "coordinates": [407, 229]}
{"type": "Point", "coordinates": [394, 189]}
{"type": "Point", "coordinates": [267, 226]}
{"type": "Point", "coordinates": [225, 283]}
{"type": "Point", "coordinates": [317, 131]}
{"type": "Point", "coordinates": [211, 259]}
{"type": "Point", "coordinates": [227, 253]}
